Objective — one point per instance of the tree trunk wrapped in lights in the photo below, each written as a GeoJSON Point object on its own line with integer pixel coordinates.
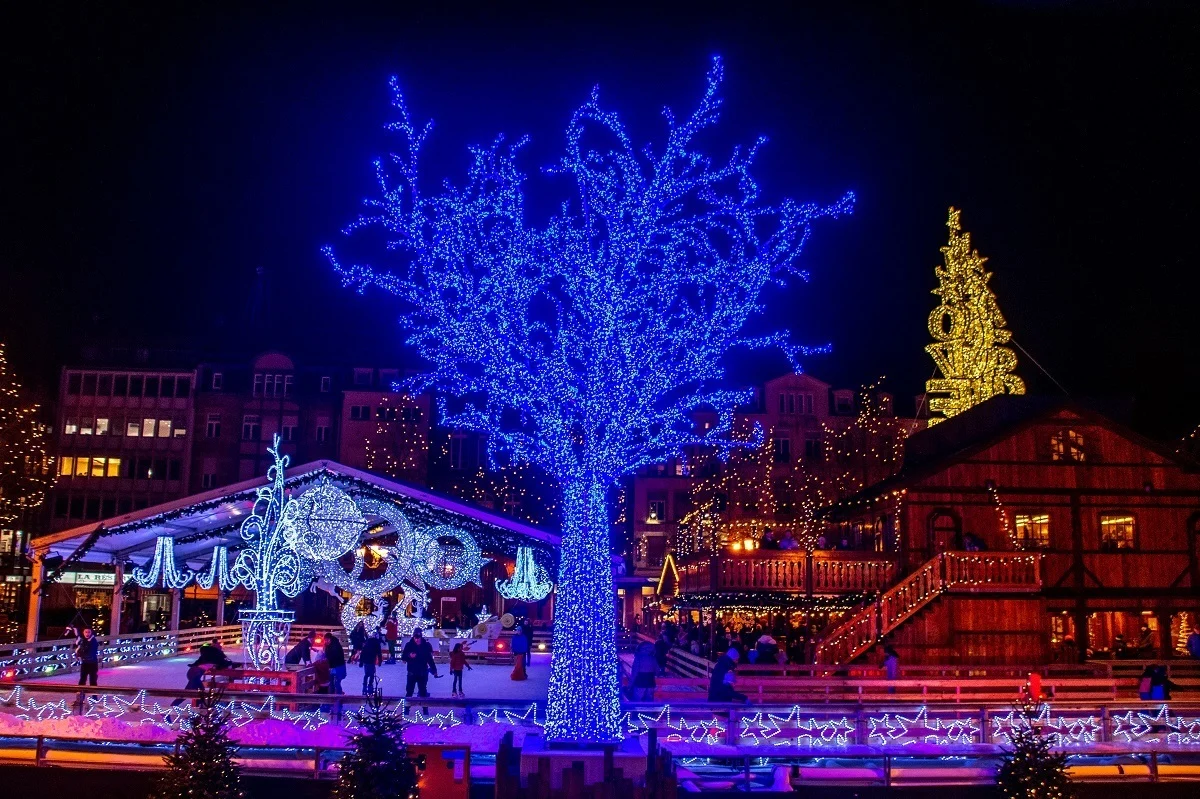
{"type": "Point", "coordinates": [584, 345]}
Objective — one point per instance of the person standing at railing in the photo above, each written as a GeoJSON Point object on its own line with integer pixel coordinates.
{"type": "Point", "coordinates": [891, 665]}
{"type": "Point", "coordinates": [720, 687]}
{"type": "Point", "coordinates": [87, 649]}
{"type": "Point", "coordinates": [371, 658]}
{"type": "Point", "coordinates": [661, 647]}
{"type": "Point", "coordinates": [641, 675]}
{"type": "Point", "coordinates": [337, 662]}
{"type": "Point", "coordinates": [391, 632]}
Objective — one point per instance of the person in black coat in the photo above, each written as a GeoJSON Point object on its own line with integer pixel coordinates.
{"type": "Point", "coordinates": [371, 658]}
{"type": "Point", "coordinates": [418, 658]}
{"type": "Point", "coordinates": [301, 652]}
{"type": "Point", "coordinates": [661, 647]}
{"type": "Point", "coordinates": [337, 662]}
{"type": "Point", "coordinates": [720, 687]}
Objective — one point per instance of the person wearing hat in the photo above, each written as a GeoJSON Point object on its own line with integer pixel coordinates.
{"type": "Point", "coordinates": [418, 658]}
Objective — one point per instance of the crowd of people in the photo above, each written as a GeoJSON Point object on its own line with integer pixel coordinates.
{"type": "Point", "coordinates": [779, 643]}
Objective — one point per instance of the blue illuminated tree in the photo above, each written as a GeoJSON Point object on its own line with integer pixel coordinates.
{"type": "Point", "coordinates": [584, 345]}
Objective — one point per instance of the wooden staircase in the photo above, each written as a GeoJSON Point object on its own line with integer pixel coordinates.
{"type": "Point", "coordinates": [948, 572]}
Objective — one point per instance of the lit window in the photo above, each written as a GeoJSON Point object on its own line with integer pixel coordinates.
{"type": "Point", "coordinates": [147, 428]}
{"type": "Point", "coordinates": [71, 426]}
{"type": "Point", "coordinates": [1067, 445]}
{"type": "Point", "coordinates": [66, 466]}
{"type": "Point", "coordinates": [85, 426]}
{"type": "Point", "coordinates": [164, 428]}
{"type": "Point", "coordinates": [101, 427]}
{"type": "Point", "coordinates": [179, 431]}
{"type": "Point", "coordinates": [132, 428]}
{"type": "Point", "coordinates": [1033, 530]}
{"type": "Point", "coordinates": [251, 427]}
{"type": "Point", "coordinates": [98, 466]}
{"type": "Point", "coordinates": [1117, 531]}
{"type": "Point", "coordinates": [656, 512]}
{"type": "Point", "coordinates": [82, 466]}
{"type": "Point", "coordinates": [113, 469]}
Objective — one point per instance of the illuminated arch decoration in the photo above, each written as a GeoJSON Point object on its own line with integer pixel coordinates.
{"type": "Point", "coordinates": [269, 565]}
{"type": "Point", "coordinates": [968, 332]}
{"type": "Point", "coordinates": [163, 566]}
{"type": "Point", "coordinates": [218, 572]}
{"type": "Point", "coordinates": [529, 582]}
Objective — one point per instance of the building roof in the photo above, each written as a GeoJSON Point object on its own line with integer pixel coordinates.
{"type": "Point", "coordinates": [987, 423]}
{"type": "Point", "coordinates": [212, 518]}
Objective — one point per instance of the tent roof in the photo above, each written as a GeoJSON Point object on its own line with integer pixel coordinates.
{"type": "Point", "coordinates": [202, 521]}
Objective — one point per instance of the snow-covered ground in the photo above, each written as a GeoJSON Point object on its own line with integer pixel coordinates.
{"type": "Point", "coordinates": [481, 682]}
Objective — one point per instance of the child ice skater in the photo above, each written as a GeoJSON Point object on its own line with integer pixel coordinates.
{"type": "Point", "coordinates": [458, 659]}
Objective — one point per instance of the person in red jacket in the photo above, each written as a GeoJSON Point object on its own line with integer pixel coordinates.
{"type": "Point", "coordinates": [391, 633]}
{"type": "Point", "coordinates": [458, 659]}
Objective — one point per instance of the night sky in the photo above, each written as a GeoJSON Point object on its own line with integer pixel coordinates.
{"type": "Point", "coordinates": [157, 157]}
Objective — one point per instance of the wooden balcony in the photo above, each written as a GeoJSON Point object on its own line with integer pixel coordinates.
{"type": "Point", "coordinates": [796, 572]}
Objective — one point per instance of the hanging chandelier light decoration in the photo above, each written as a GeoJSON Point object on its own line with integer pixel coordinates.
{"type": "Point", "coordinates": [218, 572]}
{"type": "Point", "coordinates": [163, 565]}
{"type": "Point", "coordinates": [529, 582]}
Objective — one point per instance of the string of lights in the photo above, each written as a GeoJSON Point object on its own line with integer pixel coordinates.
{"type": "Point", "coordinates": [529, 581]}
{"type": "Point", "coordinates": [162, 567]}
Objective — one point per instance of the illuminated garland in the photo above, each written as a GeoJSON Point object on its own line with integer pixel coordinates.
{"type": "Point", "coordinates": [968, 332]}
{"type": "Point", "coordinates": [163, 566]}
{"type": "Point", "coordinates": [529, 582]}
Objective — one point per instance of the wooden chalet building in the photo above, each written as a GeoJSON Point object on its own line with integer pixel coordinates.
{"type": "Point", "coordinates": [1029, 530]}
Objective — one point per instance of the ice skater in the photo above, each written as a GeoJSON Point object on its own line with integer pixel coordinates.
{"type": "Point", "coordinates": [458, 659]}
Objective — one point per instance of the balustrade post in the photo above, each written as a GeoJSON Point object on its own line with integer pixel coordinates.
{"type": "Point", "coordinates": [808, 574]}
{"type": "Point", "coordinates": [38, 579]}
{"type": "Point", "coordinates": [118, 597]}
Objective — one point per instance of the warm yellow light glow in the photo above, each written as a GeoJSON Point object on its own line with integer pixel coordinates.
{"type": "Point", "coordinates": [968, 332]}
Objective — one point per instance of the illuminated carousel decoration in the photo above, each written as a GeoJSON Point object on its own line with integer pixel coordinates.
{"type": "Point", "coordinates": [448, 558]}
{"type": "Point", "coordinates": [269, 565]}
{"type": "Point", "coordinates": [968, 332]}
{"type": "Point", "coordinates": [162, 566]}
{"type": "Point", "coordinates": [529, 582]}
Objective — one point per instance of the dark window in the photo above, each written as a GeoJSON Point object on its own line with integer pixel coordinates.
{"type": "Point", "coordinates": [782, 450]}
{"type": "Point", "coordinates": [120, 385]}
{"type": "Point", "coordinates": [183, 386]}
{"type": "Point", "coordinates": [152, 386]}
{"type": "Point", "coordinates": [93, 508]}
{"type": "Point", "coordinates": [410, 415]}
{"type": "Point", "coordinates": [325, 383]}
{"type": "Point", "coordinates": [251, 427]}
{"type": "Point", "coordinates": [124, 505]}
{"type": "Point", "coordinates": [812, 449]}
{"type": "Point", "coordinates": [89, 385]}
{"type": "Point", "coordinates": [76, 507]}
{"type": "Point", "coordinates": [73, 383]}
{"type": "Point", "coordinates": [60, 507]}
{"type": "Point", "coordinates": [160, 469]}
{"type": "Point", "coordinates": [168, 387]}
{"type": "Point", "coordinates": [208, 480]}
{"type": "Point", "coordinates": [212, 428]}
{"type": "Point", "coordinates": [108, 508]}
{"type": "Point", "coordinates": [135, 385]}
{"type": "Point", "coordinates": [141, 504]}
{"type": "Point", "coordinates": [174, 469]}
{"type": "Point", "coordinates": [218, 381]}
{"type": "Point", "coordinates": [104, 386]}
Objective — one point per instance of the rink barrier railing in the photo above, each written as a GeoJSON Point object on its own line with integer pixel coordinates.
{"type": "Point", "coordinates": [57, 656]}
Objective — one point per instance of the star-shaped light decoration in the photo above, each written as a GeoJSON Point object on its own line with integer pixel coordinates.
{"type": "Point", "coordinates": [903, 730]}
{"type": "Point", "coordinates": [710, 732]}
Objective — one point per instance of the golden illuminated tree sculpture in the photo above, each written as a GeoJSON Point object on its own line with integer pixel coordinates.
{"type": "Point", "coordinates": [968, 332]}
{"type": "Point", "coordinates": [25, 465]}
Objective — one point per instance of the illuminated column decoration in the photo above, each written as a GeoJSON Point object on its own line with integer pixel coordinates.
{"type": "Point", "coordinates": [218, 572]}
{"type": "Point", "coordinates": [968, 332]}
{"type": "Point", "coordinates": [163, 566]}
{"type": "Point", "coordinates": [529, 582]}
{"type": "Point", "coordinates": [267, 566]}
{"type": "Point", "coordinates": [583, 344]}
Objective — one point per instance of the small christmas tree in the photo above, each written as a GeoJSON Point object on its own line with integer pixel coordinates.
{"type": "Point", "coordinates": [378, 767]}
{"type": "Point", "coordinates": [1031, 770]}
{"type": "Point", "coordinates": [203, 766]}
